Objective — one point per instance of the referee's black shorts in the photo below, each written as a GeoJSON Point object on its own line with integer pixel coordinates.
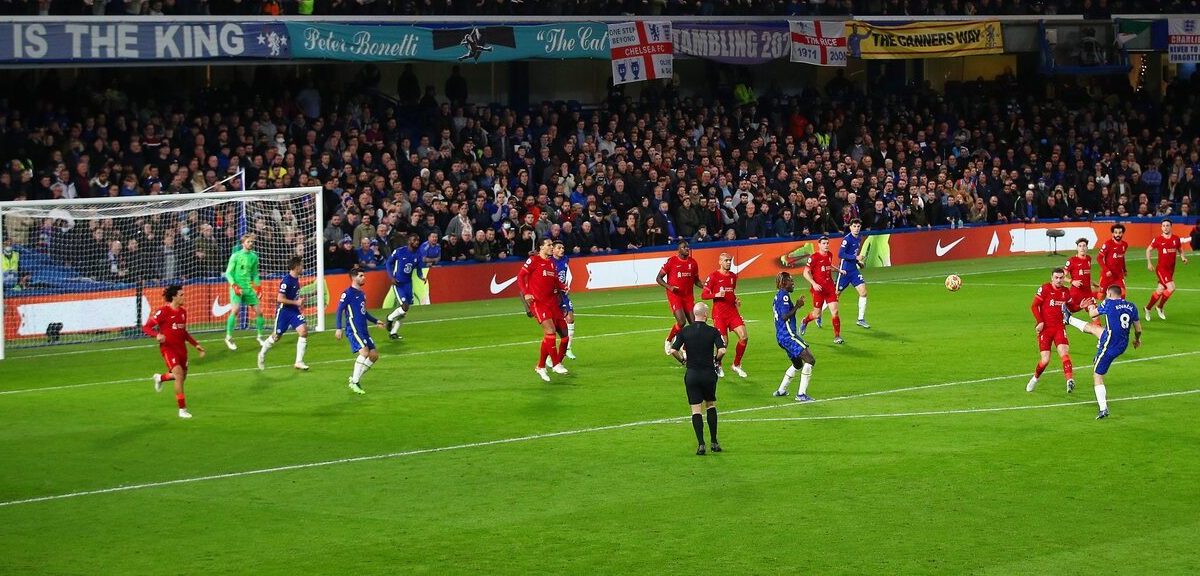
{"type": "Point", "coordinates": [701, 385]}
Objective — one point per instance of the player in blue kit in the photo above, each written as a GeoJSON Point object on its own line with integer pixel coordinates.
{"type": "Point", "coordinates": [789, 339]}
{"type": "Point", "coordinates": [400, 265]}
{"type": "Point", "coordinates": [1119, 314]}
{"type": "Point", "coordinates": [849, 271]}
{"type": "Point", "coordinates": [352, 314]}
{"type": "Point", "coordinates": [288, 316]}
{"type": "Point", "coordinates": [560, 263]}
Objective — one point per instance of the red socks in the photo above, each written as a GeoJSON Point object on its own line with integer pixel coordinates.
{"type": "Point", "coordinates": [674, 332]}
{"type": "Point", "coordinates": [547, 351]}
{"type": "Point", "coordinates": [1153, 298]}
{"type": "Point", "coordinates": [1162, 301]}
{"type": "Point", "coordinates": [837, 326]}
{"type": "Point", "coordinates": [737, 356]}
{"type": "Point", "coordinates": [179, 400]}
{"type": "Point", "coordinates": [562, 348]}
{"type": "Point", "coordinates": [1041, 367]}
{"type": "Point", "coordinates": [1068, 368]}
{"type": "Point", "coordinates": [167, 377]}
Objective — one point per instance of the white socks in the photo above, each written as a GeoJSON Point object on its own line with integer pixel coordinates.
{"type": "Point", "coordinates": [862, 308]}
{"type": "Point", "coordinates": [570, 334]}
{"type": "Point", "coordinates": [301, 346]}
{"type": "Point", "coordinates": [1080, 324]}
{"type": "Point", "coordinates": [268, 342]}
{"type": "Point", "coordinates": [787, 378]}
{"type": "Point", "coordinates": [805, 376]}
{"type": "Point", "coordinates": [361, 365]}
{"type": "Point", "coordinates": [1102, 397]}
{"type": "Point", "coordinates": [394, 319]}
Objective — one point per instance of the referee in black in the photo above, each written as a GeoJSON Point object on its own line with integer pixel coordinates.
{"type": "Point", "coordinates": [705, 347]}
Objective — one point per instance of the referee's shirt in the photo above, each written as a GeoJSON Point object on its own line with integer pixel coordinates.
{"type": "Point", "coordinates": [701, 342]}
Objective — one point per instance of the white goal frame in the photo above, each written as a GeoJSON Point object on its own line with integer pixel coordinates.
{"type": "Point", "coordinates": [8, 208]}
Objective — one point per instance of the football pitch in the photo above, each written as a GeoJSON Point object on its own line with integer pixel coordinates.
{"type": "Point", "coordinates": [923, 455]}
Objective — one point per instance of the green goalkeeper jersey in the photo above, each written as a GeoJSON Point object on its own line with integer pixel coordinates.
{"type": "Point", "coordinates": [243, 268]}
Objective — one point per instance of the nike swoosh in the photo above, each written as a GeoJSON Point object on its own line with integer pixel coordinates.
{"type": "Point", "coordinates": [942, 250]}
{"type": "Point", "coordinates": [737, 268]}
{"type": "Point", "coordinates": [498, 288]}
{"type": "Point", "coordinates": [219, 310]}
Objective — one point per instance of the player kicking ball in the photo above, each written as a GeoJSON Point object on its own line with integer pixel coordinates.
{"type": "Point", "coordinates": [786, 336]}
{"type": "Point", "coordinates": [352, 314]}
{"type": "Point", "coordinates": [1119, 315]}
{"type": "Point", "coordinates": [168, 325]}
{"type": "Point", "coordinates": [289, 316]}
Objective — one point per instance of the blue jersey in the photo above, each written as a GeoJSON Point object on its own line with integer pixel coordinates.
{"type": "Point", "coordinates": [560, 264]}
{"type": "Point", "coordinates": [848, 253]}
{"type": "Point", "coordinates": [1119, 315]}
{"type": "Point", "coordinates": [289, 288]}
{"type": "Point", "coordinates": [352, 314]}
{"type": "Point", "coordinates": [430, 251]}
{"type": "Point", "coordinates": [785, 330]}
{"type": "Point", "coordinates": [401, 263]}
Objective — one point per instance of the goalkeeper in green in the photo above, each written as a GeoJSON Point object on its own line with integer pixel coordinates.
{"type": "Point", "coordinates": [244, 283]}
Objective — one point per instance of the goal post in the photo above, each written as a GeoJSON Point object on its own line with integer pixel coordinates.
{"type": "Point", "coordinates": [93, 269]}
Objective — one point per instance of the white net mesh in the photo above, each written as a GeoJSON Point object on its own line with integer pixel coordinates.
{"type": "Point", "coordinates": [86, 271]}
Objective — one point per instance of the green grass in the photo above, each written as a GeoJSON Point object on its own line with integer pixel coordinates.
{"type": "Point", "coordinates": [473, 465]}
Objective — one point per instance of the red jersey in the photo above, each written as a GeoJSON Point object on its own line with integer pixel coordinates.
{"type": "Point", "coordinates": [1080, 268]}
{"type": "Point", "coordinates": [717, 281]}
{"type": "Point", "coordinates": [1167, 247]}
{"type": "Point", "coordinates": [539, 278]}
{"type": "Point", "coordinates": [820, 266]}
{"type": "Point", "coordinates": [681, 273]}
{"type": "Point", "coordinates": [172, 324]}
{"type": "Point", "coordinates": [1048, 305]}
{"type": "Point", "coordinates": [1111, 257]}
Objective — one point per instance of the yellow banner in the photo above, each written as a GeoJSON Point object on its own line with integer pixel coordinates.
{"type": "Point", "coordinates": [930, 40]}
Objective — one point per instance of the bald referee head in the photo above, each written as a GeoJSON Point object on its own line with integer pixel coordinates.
{"type": "Point", "coordinates": [700, 311]}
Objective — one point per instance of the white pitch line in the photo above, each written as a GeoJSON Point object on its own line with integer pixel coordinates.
{"type": "Point", "coordinates": [318, 363]}
{"type": "Point", "coordinates": [527, 438]}
{"type": "Point", "coordinates": [961, 411]}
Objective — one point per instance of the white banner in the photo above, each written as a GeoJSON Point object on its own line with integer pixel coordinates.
{"type": "Point", "coordinates": [640, 51]}
{"type": "Point", "coordinates": [1183, 40]}
{"type": "Point", "coordinates": [819, 43]}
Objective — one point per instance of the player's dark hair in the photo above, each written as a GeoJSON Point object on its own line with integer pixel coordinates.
{"type": "Point", "coordinates": [1083, 240]}
{"type": "Point", "coordinates": [295, 261]}
{"type": "Point", "coordinates": [779, 278]}
{"type": "Point", "coordinates": [544, 241]}
{"type": "Point", "coordinates": [412, 237]}
{"type": "Point", "coordinates": [1167, 220]}
{"type": "Point", "coordinates": [558, 243]}
{"type": "Point", "coordinates": [823, 238]}
{"type": "Point", "coordinates": [856, 221]}
{"type": "Point", "coordinates": [1117, 226]}
{"type": "Point", "coordinates": [355, 270]}
{"type": "Point", "coordinates": [1058, 271]}
{"type": "Point", "coordinates": [683, 242]}
{"type": "Point", "coordinates": [170, 291]}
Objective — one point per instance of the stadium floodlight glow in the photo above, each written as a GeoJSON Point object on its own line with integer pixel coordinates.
{"type": "Point", "coordinates": [93, 269]}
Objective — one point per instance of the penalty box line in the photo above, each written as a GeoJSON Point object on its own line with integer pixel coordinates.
{"type": "Point", "coordinates": [531, 437]}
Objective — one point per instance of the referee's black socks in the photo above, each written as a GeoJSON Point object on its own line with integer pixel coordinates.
{"type": "Point", "coordinates": [712, 424]}
{"type": "Point", "coordinates": [698, 426]}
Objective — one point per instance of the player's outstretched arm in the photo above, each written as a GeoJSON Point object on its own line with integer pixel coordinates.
{"type": "Point", "coordinates": [1149, 258]}
{"type": "Point", "coordinates": [1137, 333]}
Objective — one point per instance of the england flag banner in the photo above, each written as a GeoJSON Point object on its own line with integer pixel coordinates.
{"type": "Point", "coordinates": [817, 42]}
{"type": "Point", "coordinates": [640, 51]}
{"type": "Point", "coordinates": [1183, 40]}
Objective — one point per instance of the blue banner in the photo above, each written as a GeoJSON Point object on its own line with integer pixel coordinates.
{"type": "Point", "coordinates": [470, 44]}
{"type": "Point", "coordinates": [131, 41]}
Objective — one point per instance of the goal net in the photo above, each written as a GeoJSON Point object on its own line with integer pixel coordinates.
{"type": "Point", "coordinates": [90, 270]}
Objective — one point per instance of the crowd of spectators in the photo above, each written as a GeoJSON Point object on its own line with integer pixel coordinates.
{"type": "Point", "coordinates": [1099, 9]}
{"type": "Point", "coordinates": [480, 183]}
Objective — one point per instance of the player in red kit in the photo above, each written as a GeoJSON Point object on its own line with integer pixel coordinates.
{"type": "Point", "coordinates": [1079, 268]}
{"type": "Point", "coordinates": [1168, 246]}
{"type": "Point", "coordinates": [679, 276]}
{"type": "Point", "coordinates": [1111, 259]}
{"type": "Point", "coordinates": [540, 289]}
{"type": "Point", "coordinates": [720, 288]}
{"type": "Point", "coordinates": [819, 274]}
{"type": "Point", "coordinates": [169, 326]}
{"type": "Point", "coordinates": [1049, 310]}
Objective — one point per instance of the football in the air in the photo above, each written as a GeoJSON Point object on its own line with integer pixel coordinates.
{"type": "Point", "coordinates": [953, 282]}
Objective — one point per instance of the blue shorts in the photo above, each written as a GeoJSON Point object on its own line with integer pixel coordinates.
{"type": "Point", "coordinates": [287, 319]}
{"type": "Point", "coordinates": [359, 340]}
{"type": "Point", "coordinates": [793, 346]}
{"type": "Point", "coordinates": [403, 292]}
{"type": "Point", "coordinates": [848, 275]}
{"type": "Point", "coordinates": [1105, 355]}
{"type": "Point", "coordinates": [566, 304]}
